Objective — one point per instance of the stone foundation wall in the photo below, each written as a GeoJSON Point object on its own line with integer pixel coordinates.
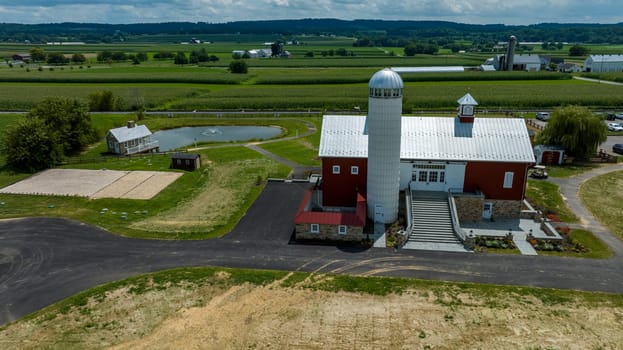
{"type": "Point", "coordinates": [506, 208]}
{"type": "Point", "coordinates": [330, 233]}
{"type": "Point", "coordinates": [469, 207]}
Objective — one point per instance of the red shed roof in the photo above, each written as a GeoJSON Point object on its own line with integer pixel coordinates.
{"type": "Point", "coordinates": [358, 218]}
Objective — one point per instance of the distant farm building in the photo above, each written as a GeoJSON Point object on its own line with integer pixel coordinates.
{"type": "Point", "coordinates": [24, 57]}
{"type": "Point", "coordinates": [257, 53]}
{"type": "Point", "coordinates": [549, 155]}
{"type": "Point", "coordinates": [186, 161]}
{"type": "Point", "coordinates": [569, 68]}
{"type": "Point", "coordinates": [529, 63]}
{"type": "Point", "coordinates": [130, 139]}
{"type": "Point", "coordinates": [604, 63]}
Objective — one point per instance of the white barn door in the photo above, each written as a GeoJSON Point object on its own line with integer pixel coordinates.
{"type": "Point", "coordinates": [437, 176]}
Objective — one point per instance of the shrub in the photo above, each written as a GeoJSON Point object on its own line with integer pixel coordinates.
{"type": "Point", "coordinates": [238, 67]}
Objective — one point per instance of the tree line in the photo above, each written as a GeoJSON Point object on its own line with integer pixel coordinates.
{"type": "Point", "coordinates": [391, 30]}
{"type": "Point", "coordinates": [39, 55]}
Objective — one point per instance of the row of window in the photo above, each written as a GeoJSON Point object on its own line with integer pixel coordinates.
{"type": "Point", "coordinates": [354, 170]}
{"type": "Point", "coordinates": [429, 166]}
{"type": "Point", "coordinates": [429, 176]}
{"type": "Point", "coordinates": [341, 229]}
{"type": "Point", "coordinates": [378, 92]}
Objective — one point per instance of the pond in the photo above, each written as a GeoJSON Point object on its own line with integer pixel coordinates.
{"type": "Point", "coordinates": [187, 136]}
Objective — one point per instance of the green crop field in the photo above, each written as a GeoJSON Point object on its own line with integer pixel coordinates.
{"type": "Point", "coordinates": [23, 96]}
{"type": "Point", "coordinates": [322, 82]}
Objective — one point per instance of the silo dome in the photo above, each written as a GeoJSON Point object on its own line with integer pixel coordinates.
{"type": "Point", "coordinates": [386, 79]}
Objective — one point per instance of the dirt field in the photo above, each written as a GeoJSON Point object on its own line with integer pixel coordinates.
{"type": "Point", "coordinates": [246, 316]}
{"type": "Point", "coordinates": [214, 203]}
{"type": "Point", "coordinates": [95, 183]}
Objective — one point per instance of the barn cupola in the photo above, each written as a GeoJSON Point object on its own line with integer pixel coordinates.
{"type": "Point", "coordinates": [466, 108]}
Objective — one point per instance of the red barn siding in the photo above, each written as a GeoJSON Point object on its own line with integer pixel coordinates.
{"type": "Point", "coordinates": [488, 177]}
{"type": "Point", "coordinates": [340, 190]}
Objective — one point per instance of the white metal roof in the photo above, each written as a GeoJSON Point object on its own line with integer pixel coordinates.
{"type": "Point", "coordinates": [343, 136]}
{"type": "Point", "coordinates": [434, 138]}
{"type": "Point", "coordinates": [606, 58]}
{"type": "Point", "coordinates": [467, 99]}
{"type": "Point", "coordinates": [124, 133]}
{"type": "Point", "coordinates": [526, 59]}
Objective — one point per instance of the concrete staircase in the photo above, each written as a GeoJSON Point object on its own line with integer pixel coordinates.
{"type": "Point", "coordinates": [432, 224]}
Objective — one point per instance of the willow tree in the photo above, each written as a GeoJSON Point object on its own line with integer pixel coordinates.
{"type": "Point", "coordinates": [576, 129]}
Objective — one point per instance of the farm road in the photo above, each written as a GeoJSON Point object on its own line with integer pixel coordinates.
{"type": "Point", "coordinates": [570, 187]}
{"type": "Point", "coordinates": [43, 260]}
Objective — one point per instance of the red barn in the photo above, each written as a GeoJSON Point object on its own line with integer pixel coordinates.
{"type": "Point", "coordinates": [479, 164]}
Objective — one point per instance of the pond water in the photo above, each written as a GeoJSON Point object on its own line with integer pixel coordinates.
{"type": "Point", "coordinates": [187, 136]}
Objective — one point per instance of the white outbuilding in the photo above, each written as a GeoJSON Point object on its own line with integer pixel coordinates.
{"type": "Point", "coordinates": [604, 63]}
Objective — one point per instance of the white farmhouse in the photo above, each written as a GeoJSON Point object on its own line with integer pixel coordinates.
{"type": "Point", "coordinates": [131, 139]}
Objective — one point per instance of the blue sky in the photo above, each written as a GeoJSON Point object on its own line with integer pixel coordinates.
{"type": "Point", "coordinates": [217, 11]}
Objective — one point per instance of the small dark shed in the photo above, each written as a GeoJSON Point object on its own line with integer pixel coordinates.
{"type": "Point", "coordinates": [185, 161]}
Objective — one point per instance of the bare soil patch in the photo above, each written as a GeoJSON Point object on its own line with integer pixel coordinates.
{"type": "Point", "coordinates": [214, 203]}
{"type": "Point", "coordinates": [245, 316]}
{"type": "Point", "coordinates": [65, 182]}
{"type": "Point", "coordinates": [95, 183]}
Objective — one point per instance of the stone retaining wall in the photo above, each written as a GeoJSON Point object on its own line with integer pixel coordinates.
{"type": "Point", "coordinates": [330, 233]}
{"type": "Point", "coordinates": [506, 208]}
{"type": "Point", "coordinates": [469, 206]}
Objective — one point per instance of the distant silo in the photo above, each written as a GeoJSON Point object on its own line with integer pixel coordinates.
{"type": "Point", "coordinates": [510, 53]}
{"type": "Point", "coordinates": [383, 127]}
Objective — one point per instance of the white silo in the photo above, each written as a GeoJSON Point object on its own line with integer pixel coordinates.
{"type": "Point", "coordinates": [383, 127]}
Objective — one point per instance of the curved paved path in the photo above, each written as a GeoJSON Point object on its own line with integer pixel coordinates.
{"type": "Point", "coordinates": [43, 260]}
{"type": "Point", "coordinates": [570, 188]}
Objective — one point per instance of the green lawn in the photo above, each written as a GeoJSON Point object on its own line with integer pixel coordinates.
{"type": "Point", "coordinates": [235, 172]}
{"type": "Point", "coordinates": [569, 170]}
{"type": "Point", "coordinates": [545, 196]}
{"type": "Point", "coordinates": [303, 151]}
{"type": "Point", "coordinates": [602, 195]}
{"type": "Point", "coordinates": [597, 249]}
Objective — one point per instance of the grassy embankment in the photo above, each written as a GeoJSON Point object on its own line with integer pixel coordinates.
{"type": "Point", "coordinates": [124, 312]}
{"type": "Point", "coordinates": [602, 196]}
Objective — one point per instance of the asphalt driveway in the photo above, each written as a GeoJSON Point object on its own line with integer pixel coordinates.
{"type": "Point", "coordinates": [43, 260]}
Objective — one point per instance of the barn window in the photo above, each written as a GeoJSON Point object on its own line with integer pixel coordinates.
{"type": "Point", "coordinates": [336, 169]}
{"type": "Point", "coordinates": [354, 170]}
{"type": "Point", "coordinates": [433, 176]}
{"type": "Point", "coordinates": [341, 229]}
{"type": "Point", "coordinates": [508, 179]}
{"type": "Point", "coordinates": [315, 228]}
